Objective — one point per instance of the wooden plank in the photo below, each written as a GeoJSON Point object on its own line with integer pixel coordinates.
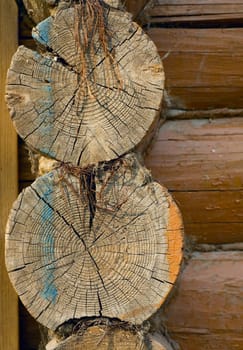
{"type": "Point", "coordinates": [202, 98]}
{"type": "Point", "coordinates": [211, 149]}
{"type": "Point", "coordinates": [195, 9]}
{"type": "Point", "coordinates": [8, 176]}
{"type": "Point", "coordinates": [215, 233]}
{"type": "Point", "coordinates": [207, 310]}
{"type": "Point", "coordinates": [201, 72]}
{"type": "Point", "coordinates": [209, 209]}
{"type": "Point", "coordinates": [203, 69]}
{"type": "Point", "coordinates": [205, 20]}
{"type": "Point", "coordinates": [208, 183]}
{"type": "Point", "coordinates": [198, 40]}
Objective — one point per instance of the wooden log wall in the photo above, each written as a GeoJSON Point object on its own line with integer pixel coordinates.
{"type": "Point", "coordinates": [198, 155]}
{"type": "Point", "coordinates": [8, 176]}
{"type": "Point", "coordinates": [200, 159]}
{"type": "Point", "coordinates": [207, 310]}
{"type": "Point", "coordinates": [201, 43]}
{"type": "Point", "coordinates": [18, 99]}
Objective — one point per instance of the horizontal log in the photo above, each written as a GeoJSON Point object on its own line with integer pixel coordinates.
{"type": "Point", "coordinates": [196, 9]}
{"type": "Point", "coordinates": [201, 71]}
{"type": "Point", "coordinates": [199, 21]}
{"type": "Point", "coordinates": [193, 40]}
{"type": "Point", "coordinates": [197, 99]}
{"type": "Point", "coordinates": [208, 181]}
{"type": "Point", "coordinates": [207, 309]}
{"type": "Point", "coordinates": [204, 70]}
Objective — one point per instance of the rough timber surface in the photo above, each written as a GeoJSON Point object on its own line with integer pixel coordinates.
{"type": "Point", "coordinates": [38, 10]}
{"type": "Point", "coordinates": [8, 176]}
{"type": "Point", "coordinates": [107, 338]}
{"type": "Point", "coordinates": [208, 182]}
{"type": "Point", "coordinates": [207, 309]}
{"type": "Point", "coordinates": [113, 251]}
{"type": "Point", "coordinates": [200, 43]}
{"type": "Point", "coordinates": [84, 119]}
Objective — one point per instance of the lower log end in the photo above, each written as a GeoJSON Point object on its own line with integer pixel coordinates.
{"type": "Point", "coordinates": [109, 338]}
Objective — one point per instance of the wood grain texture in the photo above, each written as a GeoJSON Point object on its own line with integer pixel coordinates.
{"type": "Point", "coordinates": [207, 310]}
{"type": "Point", "coordinates": [196, 9]}
{"type": "Point", "coordinates": [208, 183]}
{"type": "Point", "coordinates": [114, 253]}
{"type": "Point", "coordinates": [38, 10]}
{"type": "Point", "coordinates": [196, 41]}
{"type": "Point", "coordinates": [107, 108]}
{"type": "Point", "coordinates": [107, 338]}
{"type": "Point", "coordinates": [8, 177]}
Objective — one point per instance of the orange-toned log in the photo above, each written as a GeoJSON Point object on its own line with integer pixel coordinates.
{"type": "Point", "coordinates": [200, 161]}
{"type": "Point", "coordinates": [110, 338]}
{"type": "Point", "coordinates": [104, 242]}
{"type": "Point", "coordinates": [207, 310]}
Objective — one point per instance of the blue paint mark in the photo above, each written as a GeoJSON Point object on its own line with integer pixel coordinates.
{"type": "Point", "coordinates": [42, 31]}
{"type": "Point", "coordinates": [49, 291]}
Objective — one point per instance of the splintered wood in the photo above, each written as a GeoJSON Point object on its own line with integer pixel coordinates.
{"type": "Point", "coordinates": [104, 243]}
{"type": "Point", "coordinates": [88, 95]}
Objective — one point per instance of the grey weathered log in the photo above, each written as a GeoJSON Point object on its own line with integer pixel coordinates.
{"type": "Point", "coordinates": [81, 107]}
{"type": "Point", "coordinates": [110, 338]}
{"type": "Point", "coordinates": [113, 250]}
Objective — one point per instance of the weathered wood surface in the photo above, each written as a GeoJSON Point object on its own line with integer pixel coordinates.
{"type": "Point", "coordinates": [200, 162]}
{"type": "Point", "coordinates": [207, 310]}
{"type": "Point", "coordinates": [112, 339]}
{"type": "Point", "coordinates": [107, 338]}
{"type": "Point", "coordinates": [8, 176]}
{"type": "Point", "coordinates": [38, 10]}
{"type": "Point", "coordinates": [213, 80]}
{"type": "Point", "coordinates": [90, 108]}
{"type": "Point", "coordinates": [194, 8]}
{"type": "Point", "coordinates": [208, 185]}
{"type": "Point", "coordinates": [196, 41]}
{"type": "Point", "coordinates": [184, 11]}
{"type": "Point", "coordinates": [114, 250]}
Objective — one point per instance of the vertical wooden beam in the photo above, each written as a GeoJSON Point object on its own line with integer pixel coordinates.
{"type": "Point", "coordinates": [8, 176]}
